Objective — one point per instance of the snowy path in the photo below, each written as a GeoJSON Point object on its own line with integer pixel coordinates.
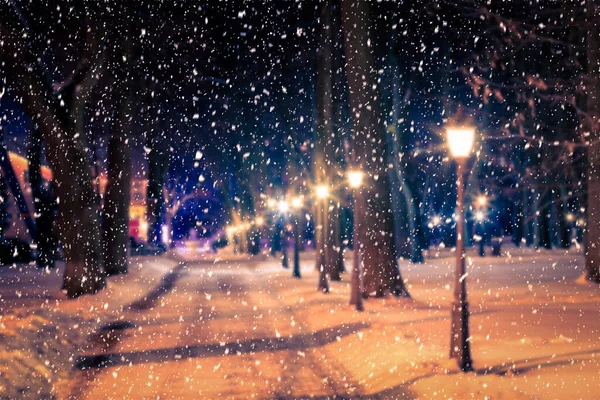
{"type": "Point", "coordinates": [250, 330]}
{"type": "Point", "coordinates": [220, 334]}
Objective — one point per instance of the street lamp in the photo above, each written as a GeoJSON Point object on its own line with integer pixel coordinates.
{"type": "Point", "coordinates": [297, 206]}
{"type": "Point", "coordinates": [355, 179]}
{"type": "Point", "coordinates": [284, 207]}
{"type": "Point", "coordinates": [323, 194]}
{"type": "Point", "coordinates": [482, 201]}
{"type": "Point", "coordinates": [460, 141]}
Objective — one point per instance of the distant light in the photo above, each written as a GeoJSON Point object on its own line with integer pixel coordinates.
{"type": "Point", "coordinates": [570, 217]}
{"type": "Point", "coordinates": [165, 234]}
{"type": "Point", "coordinates": [231, 230]}
{"type": "Point", "coordinates": [322, 192]}
{"type": "Point", "coordinates": [436, 220]}
{"type": "Point", "coordinates": [482, 201]}
{"type": "Point", "coordinates": [271, 203]}
{"type": "Point", "coordinates": [355, 179]}
{"type": "Point", "coordinates": [479, 216]}
{"type": "Point", "coordinates": [460, 141]}
{"type": "Point", "coordinates": [260, 221]}
{"type": "Point", "coordinates": [297, 202]}
{"type": "Point", "coordinates": [283, 206]}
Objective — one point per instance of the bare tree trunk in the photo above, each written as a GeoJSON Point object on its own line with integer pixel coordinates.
{"type": "Point", "coordinates": [156, 180]}
{"type": "Point", "coordinates": [118, 189]}
{"type": "Point", "coordinates": [323, 152]}
{"type": "Point", "coordinates": [77, 224]}
{"type": "Point", "coordinates": [592, 241]}
{"type": "Point", "coordinates": [43, 202]}
{"type": "Point", "coordinates": [381, 273]}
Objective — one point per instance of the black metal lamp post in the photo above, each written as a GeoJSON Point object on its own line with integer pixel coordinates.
{"type": "Point", "coordinates": [297, 206]}
{"type": "Point", "coordinates": [355, 178]}
{"type": "Point", "coordinates": [461, 142]}
{"type": "Point", "coordinates": [283, 210]}
{"type": "Point", "coordinates": [323, 195]}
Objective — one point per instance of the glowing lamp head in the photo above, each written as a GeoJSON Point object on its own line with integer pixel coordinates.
{"type": "Point", "coordinates": [260, 221]}
{"type": "Point", "coordinates": [570, 217]}
{"type": "Point", "coordinates": [479, 216]}
{"type": "Point", "coordinates": [481, 201]}
{"type": "Point", "coordinates": [297, 202]}
{"type": "Point", "coordinates": [283, 206]}
{"type": "Point", "coordinates": [271, 203]}
{"type": "Point", "coordinates": [460, 141]}
{"type": "Point", "coordinates": [355, 179]}
{"type": "Point", "coordinates": [322, 192]}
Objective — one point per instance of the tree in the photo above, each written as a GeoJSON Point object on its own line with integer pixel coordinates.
{"type": "Point", "coordinates": [592, 248]}
{"type": "Point", "coordinates": [77, 223]}
{"type": "Point", "coordinates": [324, 162]}
{"type": "Point", "coordinates": [381, 273]}
{"type": "Point", "coordinates": [115, 222]}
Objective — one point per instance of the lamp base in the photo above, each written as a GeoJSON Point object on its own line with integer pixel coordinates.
{"type": "Point", "coordinates": [460, 347]}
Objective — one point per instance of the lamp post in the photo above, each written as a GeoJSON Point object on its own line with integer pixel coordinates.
{"type": "Point", "coordinates": [283, 209]}
{"type": "Point", "coordinates": [297, 206]}
{"type": "Point", "coordinates": [460, 141]}
{"type": "Point", "coordinates": [480, 222]}
{"type": "Point", "coordinates": [322, 195]}
{"type": "Point", "coordinates": [355, 178]}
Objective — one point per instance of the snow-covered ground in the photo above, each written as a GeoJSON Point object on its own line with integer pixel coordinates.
{"type": "Point", "coordinates": [247, 329]}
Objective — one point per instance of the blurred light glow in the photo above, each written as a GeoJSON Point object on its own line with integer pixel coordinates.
{"type": "Point", "coordinates": [271, 203]}
{"type": "Point", "coordinates": [297, 202]}
{"type": "Point", "coordinates": [164, 234]}
{"type": "Point", "coordinates": [479, 216]}
{"type": "Point", "coordinates": [460, 141]}
{"type": "Point", "coordinates": [482, 200]}
{"type": "Point", "coordinates": [260, 221]}
{"type": "Point", "coordinates": [283, 206]}
{"type": "Point", "coordinates": [322, 192]}
{"type": "Point", "coordinates": [570, 217]}
{"type": "Point", "coordinates": [355, 179]}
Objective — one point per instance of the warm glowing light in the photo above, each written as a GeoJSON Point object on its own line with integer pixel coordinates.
{"type": "Point", "coordinates": [436, 220]}
{"type": "Point", "coordinates": [355, 179]}
{"type": "Point", "coordinates": [479, 216]}
{"type": "Point", "coordinates": [271, 203]}
{"type": "Point", "coordinates": [322, 192]}
{"type": "Point", "coordinates": [283, 206]}
{"type": "Point", "coordinates": [570, 217]}
{"type": "Point", "coordinates": [230, 230]}
{"type": "Point", "coordinates": [482, 201]}
{"type": "Point", "coordinates": [297, 202]}
{"type": "Point", "coordinates": [260, 221]}
{"type": "Point", "coordinates": [460, 141]}
{"type": "Point", "coordinates": [165, 235]}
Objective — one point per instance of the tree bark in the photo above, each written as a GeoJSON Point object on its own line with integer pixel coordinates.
{"type": "Point", "coordinates": [323, 155]}
{"type": "Point", "coordinates": [592, 241]}
{"type": "Point", "coordinates": [381, 273]}
{"type": "Point", "coordinates": [117, 196]}
{"type": "Point", "coordinates": [44, 204]}
{"type": "Point", "coordinates": [77, 224]}
{"type": "Point", "coordinates": [156, 179]}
